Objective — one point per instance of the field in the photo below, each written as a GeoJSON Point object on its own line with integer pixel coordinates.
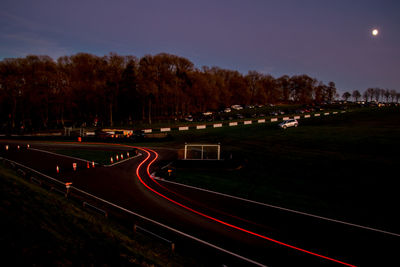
{"type": "Point", "coordinates": [338, 166]}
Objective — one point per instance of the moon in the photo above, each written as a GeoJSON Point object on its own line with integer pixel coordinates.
{"type": "Point", "coordinates": [375, 32]}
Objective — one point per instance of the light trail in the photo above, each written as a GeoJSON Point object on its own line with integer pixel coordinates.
{"type": "Point", "coordinates": [215, 219]}
{"type": "Point", "coordinates": [205, 215]}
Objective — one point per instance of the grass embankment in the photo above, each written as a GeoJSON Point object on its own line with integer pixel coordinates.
{"type": "Point", "coordinates": [41, 228]}
{"type": "Point", "coordinates": [339, 165]}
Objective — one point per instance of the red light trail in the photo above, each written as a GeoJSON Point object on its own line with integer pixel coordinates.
{"type": "Point", "coordinates": [146, 150]}
{"type": "Point", "coordinates": [215, 219]}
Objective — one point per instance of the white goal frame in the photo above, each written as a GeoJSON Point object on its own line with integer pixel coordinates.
{"type": "Point", "coordinates": [202, 150]}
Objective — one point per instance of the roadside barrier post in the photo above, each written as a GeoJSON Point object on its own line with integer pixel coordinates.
{"type": "Point", "coordinates": [74, 166]}
{"type": "Point", "coordinates": [173, 247]}
{"type": "Point", "coordinates": [68, 186]}
{"type": "Point", "coordinates": [134, 228]}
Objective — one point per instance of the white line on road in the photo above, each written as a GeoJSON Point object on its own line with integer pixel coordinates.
{"type": "Point", "coordinates": [149, 220]}
{"type": "Point", "coordinates": [171, 229]}
{"type": "Point", "coordinates": [118, 162]}
{"type": "Point", "coordinates": [84, 160]}
{"type": "Point", "coordinates": [284, 209]}
{"type": "Point", "coordinates": [60, 155]}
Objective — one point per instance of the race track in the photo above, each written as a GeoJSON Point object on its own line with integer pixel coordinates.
{"type": "Point", "coordinates": [258, 234]}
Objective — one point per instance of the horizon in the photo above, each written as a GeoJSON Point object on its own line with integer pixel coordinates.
{"type": "Point", "coordinates": [329, 42]}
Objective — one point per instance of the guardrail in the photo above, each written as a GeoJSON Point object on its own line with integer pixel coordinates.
{"type": "Point", "coordinates": [75, 193]}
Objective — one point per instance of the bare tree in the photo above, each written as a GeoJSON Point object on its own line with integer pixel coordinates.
{"type": "Point", "coordinates": [356, 95]}
{"type": "Point", "coordinates": [346, 96]}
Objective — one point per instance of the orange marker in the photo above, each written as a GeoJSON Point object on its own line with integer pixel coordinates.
{"type": "Point", "coordinates": [92, 164]}
{"type": "Point", "coordinates": [57, 169]}
{"type": "Point", "coordinates": [87, 165]}
{"type": "Point", "coordinates": [74, 166]}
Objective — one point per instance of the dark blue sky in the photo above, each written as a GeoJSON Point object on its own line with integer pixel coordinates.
{"type": "Point", "coordinates": [328, 40]}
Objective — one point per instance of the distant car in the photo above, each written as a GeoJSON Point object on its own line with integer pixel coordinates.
{"type": "Point", "coordinates": [237, 107]}
{"type": "Point", "coordinates": [227, 110]}
{"type": "Point", "coordinates": [189, 118]}
{"type": "Point", "coordinates": [289, 123]}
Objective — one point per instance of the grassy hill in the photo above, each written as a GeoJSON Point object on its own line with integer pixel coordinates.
{"type": "Point", "coordinates": [39, 227]}
{"type": "Point", "coordinates": [339, 165]}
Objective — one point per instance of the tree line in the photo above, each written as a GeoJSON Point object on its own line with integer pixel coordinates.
{"type": "Point", "coordinates": [373, 94]}
{"type": "Point", "coordinates": [37, 92]}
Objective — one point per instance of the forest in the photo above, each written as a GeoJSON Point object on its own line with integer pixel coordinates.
{"type": "Point", "coordinates": [37, 92]}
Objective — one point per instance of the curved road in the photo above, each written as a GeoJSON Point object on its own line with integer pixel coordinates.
{"type": "Point", "coordinates": [262, 234]}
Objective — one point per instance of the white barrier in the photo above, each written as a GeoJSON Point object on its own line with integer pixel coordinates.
{"type": "Point", "coordinates": [217, 125]}
{"type": "Point", "coordinates": [307, 116]}
{"type": "Point", "coordinates": [200, 126]}
{"type": "Point", "coordinates": [147, 130]}
{"type": "Point", "coordinates": [274, 119]}
{"type": "Point", "coordinates": [261, 121]}
{"type": "Point", "coordinates": [296, 117]}
{"type": "Point", "coordinates": [327, 113]}
{"type": "Point", "coordinates": [317, 115]}
{"type": "Point", "coordinates": [285, 118]}
{"type": "Point", "coordinates": [183, 128]}
{"type": "Point", "coordinates": [233, 123]}
{"type": "Point", "coordinates": [165, 129]}
{"type": "Point", "coordinates": [247, 122]}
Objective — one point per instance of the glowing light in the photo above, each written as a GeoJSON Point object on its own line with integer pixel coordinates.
{"type": "Point", "coordinates": [111, 160]}
{"type": "Point", "coordinates": [74, 166]}
{"type": "Point", "coordinates": [6, 147]}
{"type": "Point", "coordinates": [18, 147]}
{"type": "Point", "coordinates": [375, 32]}
{"type": "Point", "coordinates": [28, 146]}
{"type": "Point", "coordinates": [57, 169]}
{"type": "Point", "coordinates": [87, 165]}
{"type": "Point", "coordinates": [127, 154]}
{"type": "Point", "coordinates": [92, 164]}
{"type": "Point", "coordinates": [122, 156]}
{"type": "Point", "coordinates": [117, 157]}
{"type": "Point", "coordinates": [220, 221]}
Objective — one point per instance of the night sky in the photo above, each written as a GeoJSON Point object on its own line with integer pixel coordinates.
{"type": "Point", "coordinates": [327, 40]}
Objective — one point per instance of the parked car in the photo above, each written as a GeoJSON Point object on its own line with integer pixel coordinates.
{"type": "Point", "coordinates": [189, 118]}
{"type": "Point", "coordinates": [289, 123]}
{"type": "Point", "coordinates": [237, 107]}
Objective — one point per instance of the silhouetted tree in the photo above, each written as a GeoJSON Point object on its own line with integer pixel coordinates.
{"type": "Point", "coordinates": [346, 96]}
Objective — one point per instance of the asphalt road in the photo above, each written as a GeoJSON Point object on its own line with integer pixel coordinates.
{"type": "Point", "coordinates": [266, 235]}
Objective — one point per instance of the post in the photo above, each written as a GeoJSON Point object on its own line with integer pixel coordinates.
{"type": "Point", "coordinates": [134, 228]}
{"type": "Point", "coordinates": [219, 152]}
{"type": "Point", "coordinates": [67, 185]}
{"type": "Point", "coordinates": [185, 151]}
{"type": "Point", "coordinates": [173, 247]}
{"type": "Point", "coordinates": [202, 149]}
